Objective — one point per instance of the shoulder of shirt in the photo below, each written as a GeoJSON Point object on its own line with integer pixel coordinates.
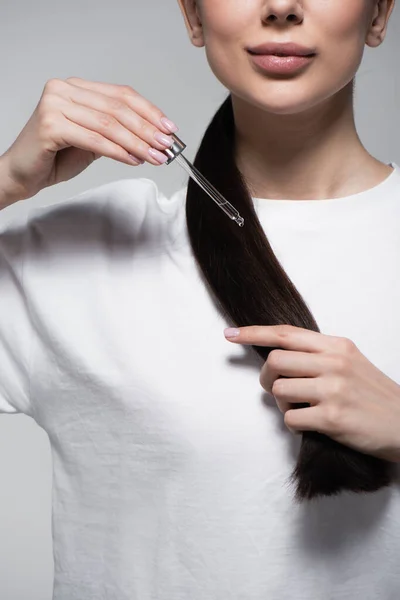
{"type": "Point", "coordinates": [130, 207]}
{"type": "Point", "coordinates": [141, 197]}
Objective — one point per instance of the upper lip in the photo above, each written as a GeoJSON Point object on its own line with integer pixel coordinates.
{"type": "Point", "coordinates": [288, 49]}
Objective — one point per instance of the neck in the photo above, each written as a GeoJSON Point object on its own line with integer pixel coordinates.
{"type": "Point", "coordinates": [315, 154]}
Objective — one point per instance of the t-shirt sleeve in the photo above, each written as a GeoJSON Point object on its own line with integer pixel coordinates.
{"type": "Point", "coordinates": [33, 240]}
{"type": "Point", "coordinates": [15, 326]}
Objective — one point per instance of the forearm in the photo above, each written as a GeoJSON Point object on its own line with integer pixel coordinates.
{"type": "Point", "coordinates": [10, 192]}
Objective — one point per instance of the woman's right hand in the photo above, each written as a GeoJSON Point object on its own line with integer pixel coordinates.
{"type": "Point", "coordinates": [78, 121]}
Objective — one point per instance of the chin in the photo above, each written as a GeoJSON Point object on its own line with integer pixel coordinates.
{"type": "Point", "coordinates": [281, 104]}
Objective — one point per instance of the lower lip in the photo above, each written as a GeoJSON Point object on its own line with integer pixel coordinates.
{"type": "Point", "coordinates": [281, 64]}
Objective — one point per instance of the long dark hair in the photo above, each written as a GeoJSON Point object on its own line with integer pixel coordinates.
{"type": "Point", "coordinates": [251, 288]}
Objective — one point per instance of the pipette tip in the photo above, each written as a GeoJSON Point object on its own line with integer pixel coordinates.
{"type": "Point", "coordinates": [239, 221]}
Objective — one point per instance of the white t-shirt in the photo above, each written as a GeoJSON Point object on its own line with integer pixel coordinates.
{"type": "Point", "coordinates": [170, 462]}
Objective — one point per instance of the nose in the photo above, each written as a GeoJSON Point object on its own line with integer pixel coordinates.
{"type": "Point", "coordinates": [282, 11]}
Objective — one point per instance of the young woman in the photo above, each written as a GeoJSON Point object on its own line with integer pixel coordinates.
{"type": "Point", "coordinates": [171, 462]}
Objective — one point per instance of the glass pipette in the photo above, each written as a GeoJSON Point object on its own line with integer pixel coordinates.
{"type": "Point", "coordinates": [175, 153]}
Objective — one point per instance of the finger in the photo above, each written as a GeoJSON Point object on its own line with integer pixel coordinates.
{"type": "Point", "coordinates": [282, 405]}
{"type": "Point", "coordinates": [305, 419]}
{"type": "Point", "coordinates": [287, 363]}
{"type": "Point", "coordinates": [287, 337]}
{"type": "Point", "coordinates": [119, 109]}
{"type": "Point", "coordinates": [70, 134]}
{"type": "Point", "coordinates": [136, 101]}
{"type": "Point", "coordinates": [109, 128]}
{"type": "Point", "coordinates": [292, 391]}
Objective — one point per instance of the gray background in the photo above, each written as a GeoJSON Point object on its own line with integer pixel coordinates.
{"type": "Point", "coordinates": [143, 44]}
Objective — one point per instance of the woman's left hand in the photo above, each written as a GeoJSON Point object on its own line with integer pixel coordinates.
{"type": "Point", "coordinates": [350, 399]}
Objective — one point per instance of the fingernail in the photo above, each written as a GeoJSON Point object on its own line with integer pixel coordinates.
{"type": "Point", "coordinates": [169, 125]}
{"type": "Point", "coordinates": [163, 139]}
{"type": "Point", "coordinates": [231, 332]}
{"type": "Point", "coordinates": [159, 156]}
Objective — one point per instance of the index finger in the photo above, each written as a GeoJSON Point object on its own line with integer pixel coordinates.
{"type": "Point", "coordinates": [287, 337]}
